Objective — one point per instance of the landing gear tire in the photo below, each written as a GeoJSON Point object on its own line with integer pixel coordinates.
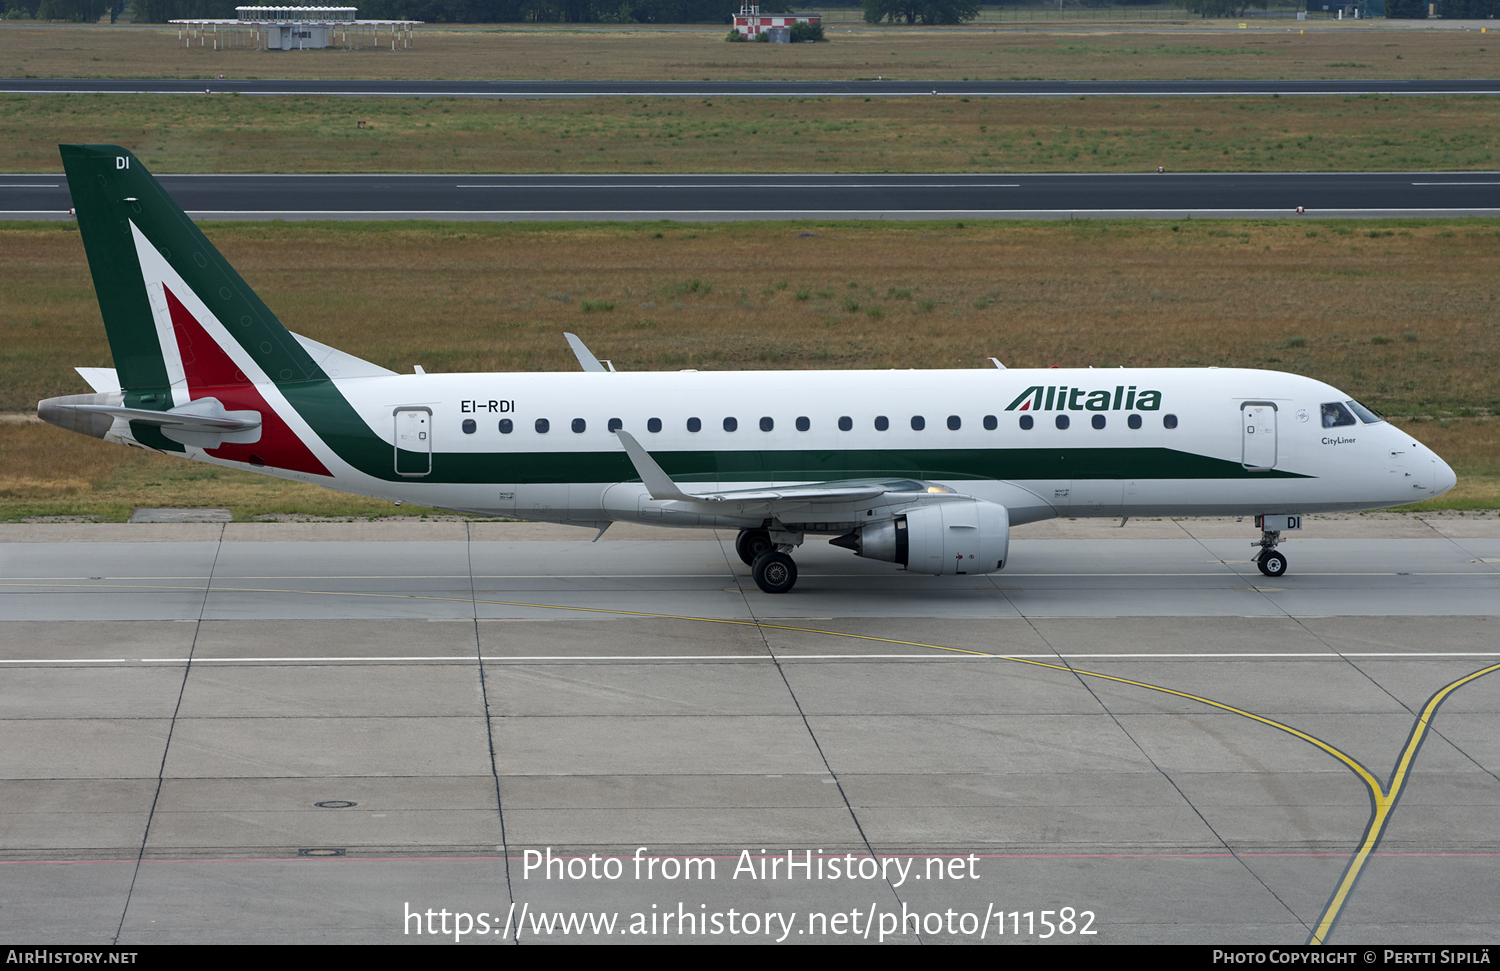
{"type": "Point", "coordinates": [1272, 563]}
{"type": "Point", "coordinates": [774, 572]}
{"type": "Point", "coordinates": [751, 543]}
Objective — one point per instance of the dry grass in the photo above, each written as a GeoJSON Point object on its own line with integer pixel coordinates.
{"type": "Point", "coordinates": [1472, 447]}
{"type": "Point", "coordinates": [178, 134]}
{"type": "Point", "coordinates": [50, 472]}
{"type": "Point", "coordinates": [1401, 315]}
{"type": "Point", "coordinates": [1192, 49]}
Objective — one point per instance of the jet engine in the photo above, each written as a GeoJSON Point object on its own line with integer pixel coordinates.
{"type": "Point", "coordinates": [941, 538]}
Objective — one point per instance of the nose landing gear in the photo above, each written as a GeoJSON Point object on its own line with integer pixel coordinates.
{"type": "Point", "coordinates": [1272, 563]}
{"type": "Point", "coordinates": [1270, 560]}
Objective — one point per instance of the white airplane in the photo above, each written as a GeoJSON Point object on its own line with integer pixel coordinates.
{"type": "Point", "coordinates": [925, 469]}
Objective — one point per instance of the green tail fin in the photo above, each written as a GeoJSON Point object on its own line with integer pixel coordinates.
{"type": "Point", "coordinates": [112, 191]}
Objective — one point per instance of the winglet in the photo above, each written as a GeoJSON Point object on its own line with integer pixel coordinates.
{"type": "Point", "coordinates": [658, 483]}
{"type": "Point", "coordinates": [585, 357]}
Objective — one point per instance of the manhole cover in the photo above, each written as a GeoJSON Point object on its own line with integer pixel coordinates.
{"type": "Point", "coordinates": [336, 804]}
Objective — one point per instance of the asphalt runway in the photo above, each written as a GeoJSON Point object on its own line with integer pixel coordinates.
{"type": "Point", "coordinates": [271, 87]}
{"type": "Point", "coordinates": [810, 196]}
{"type": "Point", "coordinates": [309, 732]}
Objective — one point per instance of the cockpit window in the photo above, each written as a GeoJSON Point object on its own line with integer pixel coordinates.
{"type": "Point", "coordinates": [1336, 415]}
{"type": "Point", "coordinates": [1365, 415]}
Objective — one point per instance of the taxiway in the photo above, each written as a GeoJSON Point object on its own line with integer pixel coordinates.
{"type": "Point", "coordinates": [248, 732]}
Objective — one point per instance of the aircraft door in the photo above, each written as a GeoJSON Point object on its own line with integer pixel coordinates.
{"type": "Point", "coordinates": [1258, 434]}
{"type": "Point", "coordinates": [413, 441]}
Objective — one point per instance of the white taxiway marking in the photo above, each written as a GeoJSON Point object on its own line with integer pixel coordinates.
{"type": "Point", "coordinates": [756, 185]}
{"type": "Point", "coordinates": [698, 658]}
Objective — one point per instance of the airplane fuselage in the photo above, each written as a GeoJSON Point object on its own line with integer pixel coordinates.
{"type": "Point", "coordinates": [1137, 442]}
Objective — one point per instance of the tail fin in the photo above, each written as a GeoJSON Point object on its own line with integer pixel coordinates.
{"type": "Point", "coordinates": [150, 263]}
{"type": "Point", "coordinates": [183, 326]}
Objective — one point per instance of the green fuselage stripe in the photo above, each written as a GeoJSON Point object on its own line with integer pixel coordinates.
{"type": "Point", "coordinates": [335, 420]}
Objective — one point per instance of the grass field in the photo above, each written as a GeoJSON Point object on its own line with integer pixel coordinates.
{"type": "Point", "coordinates": [1400, 314]}
{"type": "Point", "coordinates": [235, 134]}
{"type": "Point", "coordinates": [1192, 48]}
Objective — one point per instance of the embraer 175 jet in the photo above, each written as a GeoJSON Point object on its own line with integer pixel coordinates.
{"type": "Point", "coordinates": [926, 469]}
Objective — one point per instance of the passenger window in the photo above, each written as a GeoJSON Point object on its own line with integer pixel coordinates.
{"type": "Point", "coordinates": [615, 425]}
{"type": "Point", "coordinates": [803, 424]}
{"type": "Point", "coordinates": [954, 423]}
{"type": "Point", "coordinates": [882, 423]}
{"type": "Point", "coordinates": [579, 425]}
{"type": "Point", "coordinates": [1062, 421]}
{"type": "Point", "coordinates": [694, 425]}
{"type": "Point", "coordinates": [506, 426]}
{"type": "Point", "coordinates": [1027, 422]}
{"type": "Point", "coordinates": [1169, 421]}
{"type": "Point", "coordinates": [767, 424]}
{"type": "Point", "coordinates": [730, 424]}
{"type": "Point", "coordinates": [1098, 421]}
{"type": "Point", "coordinates": [1134, 421]}
{"type": "Point", "coordinates": [469, 426]}
{"type": "Point", "coordinates": [542, 425]}
{"type": "Point", "coordinates": [991, 423]}
{"type": "Point", "coordinates": [918, 423]}
{"type": "Point", "coordinates": [846, 423]}
{"type": "Point", "coordinates": [653, 424]}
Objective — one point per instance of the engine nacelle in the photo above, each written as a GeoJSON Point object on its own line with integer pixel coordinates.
{"type": "Point", "coordinates": [942, 538]}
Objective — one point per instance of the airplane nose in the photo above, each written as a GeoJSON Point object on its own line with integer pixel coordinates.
{"type": "Point", "coordinates": [1446, 477]}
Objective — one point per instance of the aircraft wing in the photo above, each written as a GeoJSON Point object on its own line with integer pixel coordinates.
{"type": "Point", "coordinates": [821, 492]}
{"type": "Point", "coordinates": [661, 486]}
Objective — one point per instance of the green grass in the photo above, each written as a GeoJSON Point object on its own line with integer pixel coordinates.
{"type": "Point", "coordinates": [179, 134]}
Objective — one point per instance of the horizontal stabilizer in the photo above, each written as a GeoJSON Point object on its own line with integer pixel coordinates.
{"type": "Point", "coordinates": [202, 423]}
{"type": "Point", "coordinates": [205, 414]}
{"type": "Point", "coordinates": [340, 364]}
{"type": "Point", "coordinates": [104, 380]}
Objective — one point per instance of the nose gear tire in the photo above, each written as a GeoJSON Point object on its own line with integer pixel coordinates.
{"type": "Point", "coordinates": [1272, 563]}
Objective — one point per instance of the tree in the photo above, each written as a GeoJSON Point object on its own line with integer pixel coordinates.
{"type": "Point", "coordinates": [1221, 8]}
{"type": "Point", "coordinates": [805, 32]}
{"type": "Point", "coordinates": [1465, 9]}
{"type": "Point", "coordinates": [921, 11]}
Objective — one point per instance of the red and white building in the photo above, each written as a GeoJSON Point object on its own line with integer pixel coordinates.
{"type": "Point", "coordinates": [749, 21]}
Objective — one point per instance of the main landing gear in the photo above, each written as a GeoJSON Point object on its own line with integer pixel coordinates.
{"type": "Point", "coordinates": [774, 572]}
{"type": "Point", "coordinates": [770, 566]}
{"type": "Point", "coordinates": [751, 543]}
{"type": "Point", "coordinates": [1270, 560]}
